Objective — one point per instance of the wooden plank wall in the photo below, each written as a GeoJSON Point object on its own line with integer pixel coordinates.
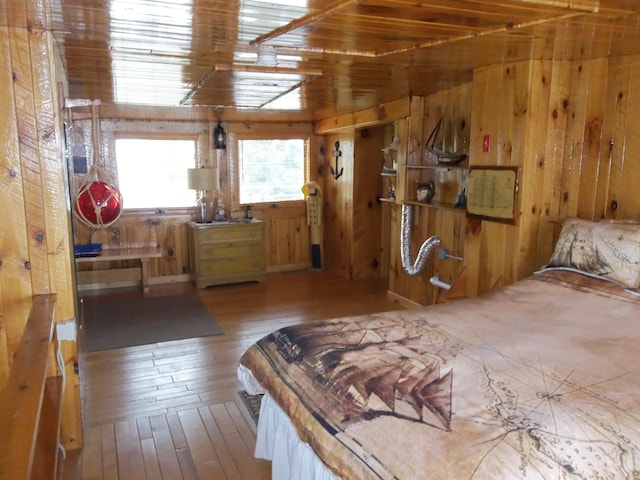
{"type": "Point", "coordinates": [166, 230]}
{"type": "Point", "coordinates": [354, 238]}
{"type": "Point", "coordinates": [338, 203]}
{"type": "Point", "coordinates": [357, 231]}
{"type": "Point", "coordinates": [287, 242]}
{"type": "Point", "coordinates": [287, 235]}
{"type": "Point", "coordinates": [367, 209]}
{"type": "Point", "coordinates": [448, 224]}
{"type": "Point", "coordinates": [35, 253]}
{"type": "Point", "coordinates": [138, 228]}
{"type": "Point", "coordinates": [602, 142]}
{"type": "Point", "coordinates": [570, 128]}
{"type": "Point", "coordinates": [501, 110]}
{"type": "Point", "coordinates": [15, 282]}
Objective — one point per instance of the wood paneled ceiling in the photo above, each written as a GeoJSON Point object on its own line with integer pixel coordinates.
{"type": "Point", "coordinates": [315, 56]}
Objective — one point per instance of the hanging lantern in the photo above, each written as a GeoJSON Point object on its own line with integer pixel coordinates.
{"type": "Point", "coordinates": [219, 137]}
{"type": "Point", "coordinates": [98, 204]}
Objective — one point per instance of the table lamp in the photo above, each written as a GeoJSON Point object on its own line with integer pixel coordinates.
{"type": "Point", "coordinates": [203, 180]}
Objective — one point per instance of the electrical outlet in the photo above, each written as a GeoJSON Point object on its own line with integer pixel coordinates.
{"type": "Point", "coordinates": [66, 330]}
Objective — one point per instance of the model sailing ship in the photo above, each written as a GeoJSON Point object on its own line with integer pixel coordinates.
{"type": "Point", "coordinates": [438, 153]}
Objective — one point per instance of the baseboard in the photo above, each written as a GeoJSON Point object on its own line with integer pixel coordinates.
{"type": "Point", "coordinates": [402, 300]}
{"type": "Point", "coordinates": [289, 267]}
{"type": "Point", "coordinates": [100, 284]}
{"type": "Point", "coordinates": [185, 277]}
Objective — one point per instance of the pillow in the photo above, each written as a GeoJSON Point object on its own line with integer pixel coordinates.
{"type": "Point", "coordinates": [610, 250]}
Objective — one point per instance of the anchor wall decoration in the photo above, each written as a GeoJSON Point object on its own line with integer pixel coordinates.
{"type": "Point", "coordinates": [337, 154]}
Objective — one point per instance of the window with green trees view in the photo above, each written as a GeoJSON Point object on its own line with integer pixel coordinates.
{"type": "Point", "coordinates": [271, 170]}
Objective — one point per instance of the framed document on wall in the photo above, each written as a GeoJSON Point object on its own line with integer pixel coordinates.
{"type": "Point", "coordinates": [492, 193]}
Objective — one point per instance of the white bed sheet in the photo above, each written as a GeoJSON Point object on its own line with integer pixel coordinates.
{"type": "Point", "coordinates": [277, 439]}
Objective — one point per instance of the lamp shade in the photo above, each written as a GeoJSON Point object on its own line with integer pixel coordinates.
{"type": "Point", "coordinates": [201, 179]}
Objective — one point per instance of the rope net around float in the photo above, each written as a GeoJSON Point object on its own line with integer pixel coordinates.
{"type": "Point", "coordinates": [98, 203]}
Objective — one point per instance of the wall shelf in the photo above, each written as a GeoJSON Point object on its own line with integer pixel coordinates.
{"type": "Point", "coordinates": [449, 180]}
{"type": "Point", "coordinates": [432, 204]}
{"type": "Point", "coordinates": [437, 166]}
{"type": "Point", "coordinates": [388, 186]}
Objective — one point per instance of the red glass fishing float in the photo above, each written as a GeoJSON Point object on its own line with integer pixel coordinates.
{"type": "Point", "coordinates": [98, 204]}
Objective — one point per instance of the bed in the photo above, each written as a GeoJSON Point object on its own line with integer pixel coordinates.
{"type": "Point", "coordinates": [537, 380]}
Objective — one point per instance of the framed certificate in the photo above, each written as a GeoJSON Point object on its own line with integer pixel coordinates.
{"type": "Point", "coordinates": [491, 193]}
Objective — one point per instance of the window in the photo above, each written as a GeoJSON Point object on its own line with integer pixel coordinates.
{"type": "Point", "coordinates": [271, 170]}
{"type": "Point", "coordinates": [152, 173]}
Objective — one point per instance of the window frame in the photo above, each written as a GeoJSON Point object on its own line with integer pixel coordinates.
{"type": "Point", "coordinates": [196, 137]}
{"type": "Point", "coordinates": [305, 137]}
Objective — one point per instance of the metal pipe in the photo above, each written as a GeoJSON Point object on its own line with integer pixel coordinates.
{"type": "Point", "coordinates": [409, 266]}
{"type": "Point", "coordinates": [436, 282]}
{"type": "Point", "coordinates": [443, 254]}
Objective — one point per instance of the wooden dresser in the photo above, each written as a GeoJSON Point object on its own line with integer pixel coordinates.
{"type": "Point", "coordinates": [226, 252]}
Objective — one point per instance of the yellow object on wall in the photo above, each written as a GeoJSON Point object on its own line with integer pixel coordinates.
{"type": "Point", "coordinates": [313, 196]}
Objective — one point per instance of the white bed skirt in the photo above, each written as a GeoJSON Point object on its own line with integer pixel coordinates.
{"type": "Point", "coordinates": [277, 440]}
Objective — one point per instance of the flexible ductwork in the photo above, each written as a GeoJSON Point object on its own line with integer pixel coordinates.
{"type": "Point", "coordinates": [414, 268]}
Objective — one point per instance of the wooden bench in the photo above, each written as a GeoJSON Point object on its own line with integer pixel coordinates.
{"type": "Point", "coordinates": [144, 254]}
{"type": "Point", "coordinates": [30, 403]}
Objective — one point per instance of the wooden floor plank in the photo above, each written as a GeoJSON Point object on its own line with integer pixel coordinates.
{"type": "Point", "coordinates": [92, 453]}
{"type": "Point", "coordinates": [202, 451]}
{"type": "Point", "coordinates": [242, 457]}
{"type": "Point", "coordinates": [109, 452]}
{"type": "Point", "coordinates": [168, 459]}
{"type": "Point", "coordinates": [144, 428]}
{"type": "Point", "coordinates": [130, 461]}
{"type": "Point", "coordinates": [240, 452]}
{"type": "Point", "coordinates": [187, 465]}
{"type": "Point", "coordinates": [222, 451]}
{"type": "Point", "coordinates": [223, 419]}
{"type": "Point", "coordinates": [177, 434]}
{"type": "Point", "coordinates": [242, 428]}
{"type": "Point", "coordinates": [140, 394]}
{"type": "Point", "coordinates": [150, 457]}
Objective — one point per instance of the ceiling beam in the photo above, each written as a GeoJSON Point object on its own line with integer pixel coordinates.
{"type": "Point", "coordinates": [305, 20]}
{"type": "Point", "coordinates": [380, 115]}
{"type": "Point", "coordinates": [490, 31]}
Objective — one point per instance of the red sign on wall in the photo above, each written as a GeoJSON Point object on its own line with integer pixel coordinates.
{"type": "Point", "coordinates": [486, 143]}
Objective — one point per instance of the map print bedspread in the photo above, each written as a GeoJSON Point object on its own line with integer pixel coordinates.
{"type": "Point", "coordinates": [540, 380]}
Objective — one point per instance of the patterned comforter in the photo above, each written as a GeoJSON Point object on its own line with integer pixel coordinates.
{"type": "Point", "coordinates": [539, 380]}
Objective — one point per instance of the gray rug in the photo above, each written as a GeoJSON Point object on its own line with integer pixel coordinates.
{"type": "Point", "coordinates": [125, 322]}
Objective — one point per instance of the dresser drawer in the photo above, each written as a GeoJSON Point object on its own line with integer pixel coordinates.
{"type": "Point", "coordinates": [231, 265]}
{"type": "Point", "coordinates": [215, 251]}
{"type": "Point", "coordinates": [230, 233]}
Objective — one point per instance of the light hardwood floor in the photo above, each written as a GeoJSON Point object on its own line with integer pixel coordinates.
{"type": "Point", "coordinates": [169, 410]}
